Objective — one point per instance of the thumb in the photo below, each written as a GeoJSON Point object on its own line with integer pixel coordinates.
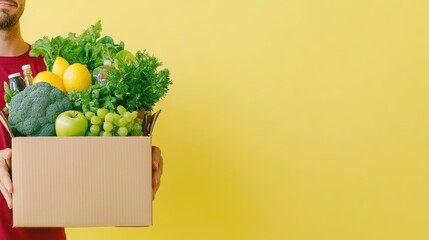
{"type": "Point", "coordinates": [8, 154]}
{"type": "Point", "coordinates": [7, 157]}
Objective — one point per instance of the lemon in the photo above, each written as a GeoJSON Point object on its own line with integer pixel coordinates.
{"type": "Point", "coordinates": [77, 77]}
{"type": "Point", "coordinates": [60, 65]}
{"type": "Point", "coordinates": [50, 78]}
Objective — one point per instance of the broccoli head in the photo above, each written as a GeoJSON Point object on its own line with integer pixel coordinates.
{"type": "Point", "coordinates": [34, 110]}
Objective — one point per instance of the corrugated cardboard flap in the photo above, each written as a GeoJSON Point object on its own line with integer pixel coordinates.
{"type": "Point", "coordinates": [82, 181]}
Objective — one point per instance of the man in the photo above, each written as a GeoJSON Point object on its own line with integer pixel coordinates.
{"type": "Point", "coordinates": [14, 52]}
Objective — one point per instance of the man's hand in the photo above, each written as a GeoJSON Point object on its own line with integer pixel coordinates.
{"type": "Point", "coordinates": [5, 180]}
{"type": "Point", "coordinates": [157, 167]}
{"type": "Point", "coordinates": [6, 187]}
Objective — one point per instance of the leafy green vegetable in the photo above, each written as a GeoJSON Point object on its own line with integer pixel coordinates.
{"type": "Point", "coordinates": [124, 58]}
{"type": "Point", "coordinates": [33, 111]}
{"type": "Point", "coordinates": [97, 96]}
{"type": "Point", "coordinates": [87, 48]}
{"type": "Point", "coordinates": [9, 95]}
{"type": "Point", "coordinates": [139, 84]}
{"type": "Point", "coordinates": [135, 83]}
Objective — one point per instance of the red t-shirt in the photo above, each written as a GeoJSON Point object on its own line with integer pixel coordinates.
{"type": "Point", "coordinates": [10, 65]}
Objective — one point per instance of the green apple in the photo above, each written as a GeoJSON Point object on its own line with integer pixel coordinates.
{"type": "Point", "coordinates": [71, 123]}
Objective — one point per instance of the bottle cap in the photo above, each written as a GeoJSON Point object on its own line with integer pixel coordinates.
{"type": "Point", "coordinates": [25, 67]}
{"type": "Point", "coordinates": [15, 75]}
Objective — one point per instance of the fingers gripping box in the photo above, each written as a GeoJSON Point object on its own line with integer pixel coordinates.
{"type": "Point", "coordinates": [81, 181]}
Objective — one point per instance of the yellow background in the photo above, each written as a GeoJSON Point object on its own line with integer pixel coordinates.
{"type": "Point", "coordinates": [288, 119]}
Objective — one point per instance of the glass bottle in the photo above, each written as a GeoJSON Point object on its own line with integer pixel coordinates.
{"type": "Point", "coordinates": [16, 82]}
{"type": "Point", "coordinates": [100, 73]}
{"type": "Point", "coordinates": [28, 74]}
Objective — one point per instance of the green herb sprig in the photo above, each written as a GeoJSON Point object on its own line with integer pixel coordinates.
{"type": "Point", "coordinates": [139, 84]}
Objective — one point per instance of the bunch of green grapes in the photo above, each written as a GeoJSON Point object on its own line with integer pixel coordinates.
{"type": "Point", "coordinates": [119, 123]}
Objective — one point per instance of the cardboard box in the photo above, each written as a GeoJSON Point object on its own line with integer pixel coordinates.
{"type": "Point", "coordinates": [82, 181]}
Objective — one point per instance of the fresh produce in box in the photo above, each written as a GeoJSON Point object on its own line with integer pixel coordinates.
{"type": "Point", "coordinates": [51, 78]}
{"type": "Point", "coordinates": [113, 88]}
{"type": "Point", "coordinates": [87, 48]}
{"type": "Point", "coordinates": [71, 123]}
{"type": "Point", "coordinates": [34, 110]}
